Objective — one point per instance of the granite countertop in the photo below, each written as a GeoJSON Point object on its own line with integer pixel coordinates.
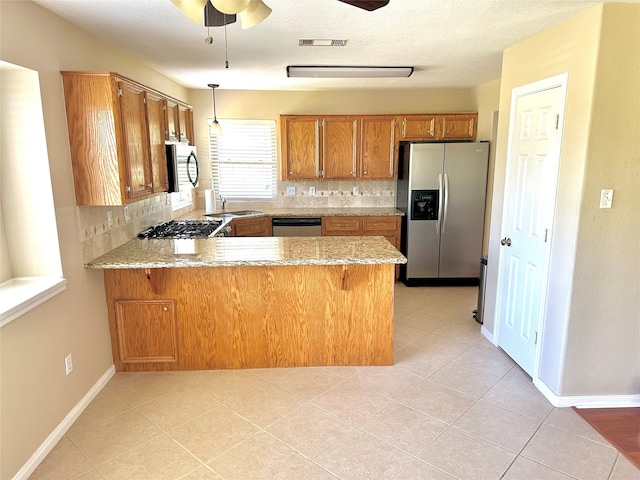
{"type": "Point", "coordinates": [249, 251]}
{"type": "Point", "coordinates": [305, 212]}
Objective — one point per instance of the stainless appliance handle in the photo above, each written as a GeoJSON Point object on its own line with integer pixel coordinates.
{"type": "Point", "coordinates": [439, 203]}
{"type": "Point", "coordinates": [446, 201]}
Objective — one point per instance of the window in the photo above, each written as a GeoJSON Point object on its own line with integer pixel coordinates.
{"type": "Point", "coordinates": [30, 265]}
{"type": "Point", "coordinates": [243, 160]}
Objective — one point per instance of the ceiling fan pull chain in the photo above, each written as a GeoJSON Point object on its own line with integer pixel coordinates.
{"type": "Point", "coordinates": [226, 52]}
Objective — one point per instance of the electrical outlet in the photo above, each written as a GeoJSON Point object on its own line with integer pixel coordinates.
{"type": "Point", "coordinates": [356, 191]}
{"type": "Point", "coordinates": [606, 198]}
{"type": "Point", "coordinates": [168, 199]}
{"type": "Point", "coordinates": [68, 364]}
{"type": "Point", "coordinates": [126, 214]}
{"type": "Point", "coordinates": [110, 218]}
{"type": "Point", "coordinates": [291, 191]}
{"type": "Point", "coordinates": [312, 191]}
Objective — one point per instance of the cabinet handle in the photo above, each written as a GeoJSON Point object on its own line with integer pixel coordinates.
{"type": "Point", "coordinates": [148, 185]}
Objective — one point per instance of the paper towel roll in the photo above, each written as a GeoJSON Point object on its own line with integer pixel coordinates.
{"type": "Point", "coordinates": [209, 201]}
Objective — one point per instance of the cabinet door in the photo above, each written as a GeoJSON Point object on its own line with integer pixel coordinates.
{"type": "Point", "coordinates": [146, 331]}
{"type": "Point", "coordinates": [182, 124]}
{"type": "Point", "coordinates": [171, 121]}
{"type": "Point", "coordinates": [339, 147]}
{"type": "Point", "coordinates": [459, 126]}
{"type": "Point", "coordinates": [136, 140]}
{"type": "Point", "coordinates": [188, 128]}
{"type": "Point", "coordinates": [418, 127]}
{"type": "Point", "coordinates": [155, 118]}
{"type": "Point", "coordinates": [378, 147]}
{"type": "Point", "coordinates": [301, 148]}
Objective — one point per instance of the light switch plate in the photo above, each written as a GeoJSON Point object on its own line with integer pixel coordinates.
{"type": "Point", "coordinates": [312, 191]}
{"type": "Point", "coordinates": [606, 198]}
{"type": "Point", "coordinates": [356, 191]}
{"type": "Point", "coordinates": [291, 191]}
{"type": "Point", "coordinates": [126, 214]}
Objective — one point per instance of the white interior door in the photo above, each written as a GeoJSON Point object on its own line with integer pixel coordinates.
{"type": "Point", "coordinates": [530, 190]}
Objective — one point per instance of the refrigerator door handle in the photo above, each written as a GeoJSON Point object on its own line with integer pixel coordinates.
{"type": "Point", "coordinates": [439, 203]}
{"type": "Point", "coordinates": [446, 201]}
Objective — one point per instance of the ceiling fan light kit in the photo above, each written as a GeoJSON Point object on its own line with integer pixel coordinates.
{"type": "Point", "coordinates": [353, 71]}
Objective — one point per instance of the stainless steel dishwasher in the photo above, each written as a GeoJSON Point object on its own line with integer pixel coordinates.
{"type": "Point", "coordinates": [296, 226]}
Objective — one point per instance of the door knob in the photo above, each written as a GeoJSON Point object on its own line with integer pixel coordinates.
{"type": "Point", "coordinates": [506, 241]}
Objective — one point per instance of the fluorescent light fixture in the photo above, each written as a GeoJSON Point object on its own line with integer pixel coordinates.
{"type": "Point", "coordinates": [321, 42]}
{"type": "Point", "coordinates": [336, 71]}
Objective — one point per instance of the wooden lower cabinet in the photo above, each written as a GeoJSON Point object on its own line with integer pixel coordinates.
{"type": "Point", "coordinates": [250, 317]}
{"type": "Point", "coordinates": [251, 227]}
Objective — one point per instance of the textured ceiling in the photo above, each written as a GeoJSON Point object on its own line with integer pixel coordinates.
{"type": "Point", "coordinates": [452, 43]}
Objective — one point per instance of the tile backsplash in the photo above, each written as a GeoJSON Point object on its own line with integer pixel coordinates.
{"type": "Point", "coordinates": [328, 194]}
{"type": "Point", "coordinates": [97, 237]}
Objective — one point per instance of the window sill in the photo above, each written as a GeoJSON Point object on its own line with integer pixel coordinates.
{"type": "Point", "coordinates": [21, 294]}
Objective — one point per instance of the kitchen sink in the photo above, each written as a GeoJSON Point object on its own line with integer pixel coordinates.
{"type": "Point", "coordinates": [237, 213]}
{"type": "Point", "coordinates": [244, 212]}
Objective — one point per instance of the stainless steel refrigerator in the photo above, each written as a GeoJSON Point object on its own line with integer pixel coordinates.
{"type": "Point", "coordinates": [442, 191]}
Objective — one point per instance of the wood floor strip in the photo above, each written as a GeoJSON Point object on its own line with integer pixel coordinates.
{"type": "Point", "coordinates": [619, 426]}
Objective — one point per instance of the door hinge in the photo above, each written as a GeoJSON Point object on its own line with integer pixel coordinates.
{"type": "Point", "coordinates": [546, 233]}
{"type": "Point", "coordinates": [535, 338]}
{"type": "Point", "coordinates": [119, 92]}
{"type": "Point", "coordinates": [557, 120]}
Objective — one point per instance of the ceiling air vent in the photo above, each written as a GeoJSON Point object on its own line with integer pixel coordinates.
{"type": "Point", "coordinates": [316, 42]}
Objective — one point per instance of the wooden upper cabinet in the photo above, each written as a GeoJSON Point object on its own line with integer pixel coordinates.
{"type": "Point", "coordinates": [459, 126]}
{"type": "Point", "coordinates": [340, 147]}
{"type": "Point", "coordinates": [378, 148]}
{"type": "Point", "coordinates": [117, 128]}
{"type": "Point", "coordinates": [188, 128]}
{"type": "Point", "coordinates": [418, 127]}
{"type": "Point", "coordinates": [156, 121]}
{"type": "Point", "coordinates": [450, 126]}
{"type": "Point", "coordinates": [301, 147]}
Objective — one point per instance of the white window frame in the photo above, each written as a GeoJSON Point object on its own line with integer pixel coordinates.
{"type": "Point", "coordinates": [261, 154]}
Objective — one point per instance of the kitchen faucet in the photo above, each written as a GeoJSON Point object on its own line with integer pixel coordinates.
{"type": "Point", "coordinates": [223, 200]}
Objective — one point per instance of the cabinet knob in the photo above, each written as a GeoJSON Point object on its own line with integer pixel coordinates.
{"type": "Point", "coordinates": [165, 309]}
{"type": "Point", "coordinates": [290, 173]}
{"type": "Point", "coordinates": [364, 173]}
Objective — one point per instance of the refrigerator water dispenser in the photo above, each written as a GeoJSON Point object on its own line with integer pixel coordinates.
{"type": "Point", "coordinates": [424, 204]}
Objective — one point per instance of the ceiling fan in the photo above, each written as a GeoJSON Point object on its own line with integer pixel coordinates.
{"type": "Point", "coordinates": [252, 12]}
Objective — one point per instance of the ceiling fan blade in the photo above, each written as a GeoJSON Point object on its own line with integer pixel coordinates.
{"type": "Point", "coordinates": [194, 9]}
{"type": "Point", "coordinates": [369, 5]}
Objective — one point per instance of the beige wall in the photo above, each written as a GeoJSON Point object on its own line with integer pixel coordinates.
{"type": "Point", "coordinates": [603, 348]}
{"type": "Point", "coordinates": [35, 393]}
{"type": "Point", "coordinates": [585, 350]}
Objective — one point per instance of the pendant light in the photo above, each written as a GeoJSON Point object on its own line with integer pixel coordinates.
{"type": "Point", "coordinates": [214, 126]}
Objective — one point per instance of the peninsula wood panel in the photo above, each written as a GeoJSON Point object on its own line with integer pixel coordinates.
{"type": "Point", "coordinates": [254, 317]}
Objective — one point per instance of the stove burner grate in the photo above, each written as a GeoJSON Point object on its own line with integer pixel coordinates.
{"type": "Point", "coordinates": [181, 229]}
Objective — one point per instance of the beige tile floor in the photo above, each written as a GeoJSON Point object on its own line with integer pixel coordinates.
{"type": "Point", "coordinates": [451, 407]}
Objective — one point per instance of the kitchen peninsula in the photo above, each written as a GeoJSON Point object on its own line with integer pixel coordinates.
{"type": "Point", "coordinates": [222, 303]}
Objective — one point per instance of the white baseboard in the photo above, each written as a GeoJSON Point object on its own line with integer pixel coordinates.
{"type": "Point", "coordinates": [57, 434]}
{"type": "Point", "coordinates": [587, 401]}
{"type": "Point", "coordinates": [487, 334]}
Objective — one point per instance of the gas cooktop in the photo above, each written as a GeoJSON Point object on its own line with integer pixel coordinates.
{"type": "Point", "coordinates": [182, 229]}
